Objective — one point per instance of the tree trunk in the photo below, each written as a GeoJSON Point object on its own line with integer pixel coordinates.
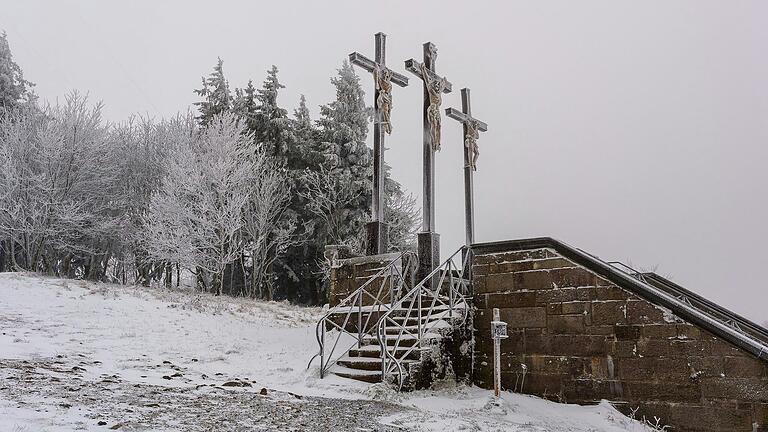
{"type": "Point", "coordinates": [14, 264]}
{"type": "Point", "coordinates": [3, 255]}
{"type": "Point", "coordinates": [168, 275]}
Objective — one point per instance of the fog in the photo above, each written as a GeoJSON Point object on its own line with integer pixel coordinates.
{"type": "Point", "coordinates": [636, 131]}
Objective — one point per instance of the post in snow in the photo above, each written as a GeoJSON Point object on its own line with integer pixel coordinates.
{"type": "Point", "coordinates": [498, 332]}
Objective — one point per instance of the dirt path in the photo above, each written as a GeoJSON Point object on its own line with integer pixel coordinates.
{"type": "Point", "coordinates": [57, 386]}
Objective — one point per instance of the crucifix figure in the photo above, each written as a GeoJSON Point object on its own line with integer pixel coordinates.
{"type": "Point", "coordinates": [383, 78]}
{"type": "Point", "coordinates": [434, 86]}
{"type": "Point", "coordinates": [472, 129]}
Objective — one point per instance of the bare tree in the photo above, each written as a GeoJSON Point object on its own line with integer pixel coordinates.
{"type": "Point", "coordinates": [269, 233]}
{"type": "Point", "coordinates": [58, 181]}
{"type": "Point", "coordinates": [196, 217]}
{"type": "Point", "coordinates": [403, 217]}
{"type": "Point", "coordinates": [328, 198]}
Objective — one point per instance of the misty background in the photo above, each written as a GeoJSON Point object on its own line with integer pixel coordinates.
{"type": "Point", "coordinates": [635, 131]}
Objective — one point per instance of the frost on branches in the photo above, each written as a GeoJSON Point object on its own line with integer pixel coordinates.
{"type": "Point", "coordinates": [220, 200]}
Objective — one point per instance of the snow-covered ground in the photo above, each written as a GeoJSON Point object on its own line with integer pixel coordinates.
{"type": "Point", "coordinates": [84, 356]}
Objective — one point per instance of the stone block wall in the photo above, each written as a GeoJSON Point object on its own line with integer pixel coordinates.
{"type": "Point", "coordinates": [347, 275]}
{"type": "Point", "coordinates": [577, 337]}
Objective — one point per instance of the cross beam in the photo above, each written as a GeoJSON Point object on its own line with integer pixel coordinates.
{"type": "Point", "coordinates": [414, 67]}
{"type": "Point", "coordinates": [471, 127]}
{"type": "Point", "coordinates": [465, 117]}
{"type": "Point", "coordinates": [364, 62]}
{"type": "Point", "coordinates": [382, 104]}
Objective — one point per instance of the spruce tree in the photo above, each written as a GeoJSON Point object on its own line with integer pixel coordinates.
{"type": "Point", "coordinates": [271, 122]}
{"type": "Point", "coordinates": [344, 126]}
{"type": "Point", "coordinates": [244, 105]}
{"type": "Point", "coordinates": [298, 270]}
{"type": "Point", "coordinates": [216, 96]}
{"type": "Point", "coordinates": [15, 91]}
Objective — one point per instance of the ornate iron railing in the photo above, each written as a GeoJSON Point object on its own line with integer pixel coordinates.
{"type": "Point", "coordinates": [365, 305]}
{"type": "Point", "coordinates": [440, 297]}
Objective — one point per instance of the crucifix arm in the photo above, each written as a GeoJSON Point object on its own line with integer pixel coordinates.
{"type": "Point", "coordinates": [364, 62]}
{"type": "Point", "coordinates": [414, 67]}
{"type": "Point", "coordinates": [460, 116]}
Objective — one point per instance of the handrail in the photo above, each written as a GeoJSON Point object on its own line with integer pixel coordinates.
{"type": "Point", "coordinates": [393, 277]}
{"type": "Point", "coordinates": [728, 317]}
{"type": "Point", "coordinates": [412, 303]}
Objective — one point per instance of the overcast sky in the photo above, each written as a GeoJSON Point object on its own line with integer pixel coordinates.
{"type": "Point", "coordinates": [637, 131]}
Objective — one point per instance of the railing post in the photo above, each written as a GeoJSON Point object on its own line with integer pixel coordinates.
{"type": "Point", "coordinates": [450, 289]}
{"type": "Point", "coordinates": [322, 350]}
{"type": "Point", "coordinates": [418, 324]}
{"type": "Point", "coordinates": [391, 288]}
{"type": "Point", "coordinates": [383, 341]}
{"type": "Point", "coordinates": [360, 320]}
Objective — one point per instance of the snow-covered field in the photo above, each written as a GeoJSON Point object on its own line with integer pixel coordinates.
{"type": "Point", "coordinates": [84, 356]}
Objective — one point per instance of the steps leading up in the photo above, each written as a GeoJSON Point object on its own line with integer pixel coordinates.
{"type": "Point", "coordinates": [411, 326]}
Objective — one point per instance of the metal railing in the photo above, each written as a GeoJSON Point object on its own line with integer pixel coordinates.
{"type": "Point", "coordinates": [365, 305]}
{"type": "Point", "coordinates": [719, 313]}
{"type": "Point", "coordinates": [439, 296]}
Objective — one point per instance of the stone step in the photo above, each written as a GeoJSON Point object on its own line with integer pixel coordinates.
{"type": "Point", "coordinates": [370, 376]}
{"type": "Point", "coordinates": [365, 363]}
{"type": "Point", "coordinates": [405, 340]}
{"type": "Point", "coordinates": [374, 351]}
{"type": "Point", "coordinates": [412, 318]}
{"type": "Point", "coordinates": [413, 328]}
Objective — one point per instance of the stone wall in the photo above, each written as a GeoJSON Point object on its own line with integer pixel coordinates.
{"type": "Point", "coordinates": [583, 338]}
{"type": "Point", "coordinates": [347, 275]}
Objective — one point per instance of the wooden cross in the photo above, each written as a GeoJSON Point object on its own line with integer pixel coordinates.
{"type": "Point", "coordinates": [434, 86]}
{"type": "Point", "coordinates": [382, 103]}
{"type": "Point", "coordinates": [472, 128]}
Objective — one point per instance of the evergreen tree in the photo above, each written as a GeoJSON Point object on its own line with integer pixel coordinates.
{"type": "Point", "coordinates": [298, 270]}
{"type": "Point", "coordinates": [271, 122]}
{"type": "Point", "coordinates": [15, 91]}
{"type": "Point", "coordinates": [244, 105]}
{"type": "Point", "coordinates": [216, 96]}
{"type": "Point", "coordinates": [344, 126]}
{"type": "Point", "coordinates": [304, 149]}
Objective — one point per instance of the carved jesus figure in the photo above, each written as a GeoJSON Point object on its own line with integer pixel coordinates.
{"type": "Point", "coordinates": [470, 142]}
{"type": "Point", "coordinates": [435, 89]}
{"type": "Point", "coordinates": [384, 98]}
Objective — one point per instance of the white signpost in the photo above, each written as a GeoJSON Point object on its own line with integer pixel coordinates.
{"type": "Point", "coordinates": [498, 332]}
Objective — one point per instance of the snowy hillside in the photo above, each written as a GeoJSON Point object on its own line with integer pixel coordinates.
{"type": "Point", "coordinates": [82, 356]}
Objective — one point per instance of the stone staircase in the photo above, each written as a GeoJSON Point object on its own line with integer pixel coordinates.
{"type": "Point", "coordinates": [397, 337]}
{"type": "Point", "coordinates": [364, 363]}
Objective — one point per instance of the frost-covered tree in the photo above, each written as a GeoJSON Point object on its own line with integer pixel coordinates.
{"type": "Point", "coordinates": [245, 105]}
{"type": "Point", "coordinates": [403, 216]}
{"type": "Point", "coordinates": [146, 146]}
{"type": "Point", "coordinates": [271, 122]}
{"type": "Point", "coordinates": [196, 217]}
{"type": "Point", "coordinates": [60, 209]}
{"type": "Point", "coordinates": [296, 270]}
{"type": "Point", "coordinates": [268, 227]}
{"type": "Point", "coordinates": [344, 126]}
{"type": "Point", "coordinates": [215, 93]}
{"type": "Point", "coordinates": [15, 91]}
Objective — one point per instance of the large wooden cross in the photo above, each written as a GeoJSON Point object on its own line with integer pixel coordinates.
{"type": "Point", "coordinates": [434, 86]}
{"type": "Point", "coordinates": [383, 78]}
{"type": "Point", "coordinates": [472, 128]}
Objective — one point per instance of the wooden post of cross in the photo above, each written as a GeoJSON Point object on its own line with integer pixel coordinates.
{"type": "Point", "coordinates": [383, 77]}
{"type": "Point", "coordinates": [434, 87]}
{"type": "Point", "coordinates": [472, 128]}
